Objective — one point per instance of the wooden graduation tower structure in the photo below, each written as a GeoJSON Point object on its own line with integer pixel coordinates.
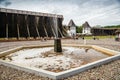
{"type": "Point", "coordinates": [25, 24]}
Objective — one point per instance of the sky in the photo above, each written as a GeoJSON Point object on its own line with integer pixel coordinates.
{"type": "Point", "coordinates": [96, 12]}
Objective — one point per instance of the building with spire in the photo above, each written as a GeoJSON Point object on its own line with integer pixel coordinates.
{"type": "Point", "coordinates": [71, 28]}
{"type": "Point", "coordinates": [86, 29]}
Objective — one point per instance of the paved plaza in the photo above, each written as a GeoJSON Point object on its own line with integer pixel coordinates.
{"type": "Point", "coordinates": [110, 71]}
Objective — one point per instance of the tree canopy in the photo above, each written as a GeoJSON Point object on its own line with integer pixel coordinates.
{"type": "Point", "coordinates": [114, 26]}
{"type": "Point", "coordinates": [79, 29]}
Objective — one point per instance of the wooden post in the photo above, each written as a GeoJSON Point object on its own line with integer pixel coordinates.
{"type": "Point", "coordinates": [60, 32]}
{"type": "Point", "coordinates": [7, 31]}
{"type": "Point", "coordinates": [51, 25]}
{"type": "Point", "coordinates": [6, 27]}
{"type": "Point", "coordinates": [45, 29]}
{"type": "Point", "coordinates": [27, 27]}
{"type": "Point", "coordinates": [18, 31]}
{"type": "Point", "coordinates": [28, 30]}
{"type": "Point", "coordinates": [57, 45]}
{"type": "Point", "coordinates": [53, 31]}
{"type": "Point", "coordinates": [36, 23]}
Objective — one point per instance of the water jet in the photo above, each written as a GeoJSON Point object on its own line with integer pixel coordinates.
{"type": "Point", "coordinates": [57, 41]}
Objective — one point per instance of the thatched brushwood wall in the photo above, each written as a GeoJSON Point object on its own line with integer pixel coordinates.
{"type": "Point", "coordinates": [25, 24]}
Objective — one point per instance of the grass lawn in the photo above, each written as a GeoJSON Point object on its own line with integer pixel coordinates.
{"type": "Point", "coordinates": [99, 37]}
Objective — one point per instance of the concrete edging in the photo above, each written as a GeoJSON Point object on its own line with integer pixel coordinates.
{"type": "Point", "coordinates": [63, 74]}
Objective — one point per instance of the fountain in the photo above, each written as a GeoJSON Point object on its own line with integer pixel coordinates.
{"type": "Point", "coordinates": [57, 40]}
{"type": "Point", "coordinates": [45, 60]}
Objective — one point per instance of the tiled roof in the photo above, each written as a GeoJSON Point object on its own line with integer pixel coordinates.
{"type": "Point", "coordinates": [71, 23]}
{"type": "Point", "coordinates": [86, 24]}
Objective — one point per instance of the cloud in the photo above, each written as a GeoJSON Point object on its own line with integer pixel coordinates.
{"type": "Point", "coordinates": [96, 12]}
{"type": "Point", "coordinates": [5, 3]}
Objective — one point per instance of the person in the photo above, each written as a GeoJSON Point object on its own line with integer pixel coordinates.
{"type": "Point", "coordinates": [83, 38]}
{"type": "Point", "coordinates": [116, 38]}
{"type": "Point", "coordinates": [73, 36]}
{"type": "Point", "coordinates": [94, 37]}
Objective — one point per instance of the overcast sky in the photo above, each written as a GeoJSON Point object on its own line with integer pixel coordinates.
{"type": "Point", "coordinates": [96, 12]}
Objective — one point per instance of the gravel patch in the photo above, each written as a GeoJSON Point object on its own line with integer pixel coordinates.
{"type": "Point", "coordinates": [110, 71]}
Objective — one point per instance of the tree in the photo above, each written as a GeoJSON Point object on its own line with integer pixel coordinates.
{"type": "Point", "coordinates": [79, 29]}
{"type": "Point", "coordinates": [114, 26]}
